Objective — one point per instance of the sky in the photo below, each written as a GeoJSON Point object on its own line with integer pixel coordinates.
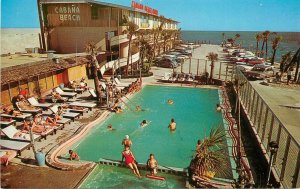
{"type": "Point", "coordinates": [203, 15]}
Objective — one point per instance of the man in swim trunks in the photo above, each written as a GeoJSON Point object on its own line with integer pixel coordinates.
{"type": "Point", "coordinates": [130, 161]}
{"type": "Point", "coordinates": [126, 141]}
{"type": "Point", "coordinates": [152, 164]}
{"type": "Point", "coordinates": [172, 125]}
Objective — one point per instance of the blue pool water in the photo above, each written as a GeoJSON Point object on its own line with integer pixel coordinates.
{"type": "Point", "coordinates": [193, 111]}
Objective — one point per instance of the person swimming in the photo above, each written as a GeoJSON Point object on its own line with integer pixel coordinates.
{"type": "Point", "coordinates": [110, 128]}
{"type": "Point", "coordinates": [126, 141]}
{"type": "Point", "coordinates": [219, 108]}
{"type": "Point", "coordinates": [73, 155]}
{"type": "Point", "coordinates": [172, 125]}
{"type": "Point", "coordinates": [144, 123]}
{"type": "Point", "coordinates": [170, 101]}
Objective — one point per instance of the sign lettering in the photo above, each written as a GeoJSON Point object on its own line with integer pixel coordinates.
{"type": "Point", "coordinates": [68, 13]}
{"type": "Point", "coordinates": [144, 8]}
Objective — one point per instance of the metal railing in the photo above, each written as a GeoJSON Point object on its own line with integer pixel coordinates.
{"type": "Point", "coordinates": [268, 128]}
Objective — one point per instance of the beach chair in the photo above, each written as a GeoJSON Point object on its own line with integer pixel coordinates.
{"type": "Point", "coordinates": [15, 145]}
{"type": "Point", "coordinates": [8, 122]}
{"type": "Point", "coordinates": [65, 94]}
{"type": "Point", "coordinates": [35, 103]}
{"type": "Point", "coordinates": [18, 118]}
{"type": "Point", "coordinates": [70, 115]}
{"type": "Point", "coordinates": [166, 77]}
{"type": "Point", "coordinates": [10, 131]}
{"type": "Point", "coordinates": [88, 105]}
{"type": "Point", "coordinates": [33, 112]}
{"type": "Point", "coordinates": [76, 90]}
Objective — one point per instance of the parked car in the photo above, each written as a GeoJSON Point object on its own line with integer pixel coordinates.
{"type": "Point", "coordinates": [260, 71]}
{"type": "Point", "coordinates": [167, 63]}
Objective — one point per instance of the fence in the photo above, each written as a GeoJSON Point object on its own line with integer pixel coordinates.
{"type": "Point", "coordinates": [269, 128]}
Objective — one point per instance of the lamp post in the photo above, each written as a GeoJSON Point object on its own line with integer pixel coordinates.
{"type": "Point", "coordinates": [273, 149]}
{"type": "Point", "coordinates": [29, 120]}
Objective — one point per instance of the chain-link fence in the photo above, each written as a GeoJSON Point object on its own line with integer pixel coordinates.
{"type": "Point", "coordinates": [269, 128]}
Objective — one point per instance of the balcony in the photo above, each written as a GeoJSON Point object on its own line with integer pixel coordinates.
{"type": "Point", "coordinates": [116, 40]}
{"type": "Point", "coordinates": [123, 62]}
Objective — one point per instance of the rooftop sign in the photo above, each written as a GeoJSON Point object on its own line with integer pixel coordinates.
{"type": "Point", "coordinates": [144, 8]}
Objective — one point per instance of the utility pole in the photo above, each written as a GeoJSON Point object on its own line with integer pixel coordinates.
{"type": "Point", "coordinates": [39, 4]}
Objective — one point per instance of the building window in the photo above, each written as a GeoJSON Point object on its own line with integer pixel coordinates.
{"type": "Point", "coordinates": [94, 13]}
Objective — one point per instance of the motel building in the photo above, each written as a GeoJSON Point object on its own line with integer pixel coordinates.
{"type": "Point", "coordinates": [68, 25]}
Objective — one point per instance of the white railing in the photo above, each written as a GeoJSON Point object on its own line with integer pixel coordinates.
{"type": "Point", "coordinates": [123, 62]}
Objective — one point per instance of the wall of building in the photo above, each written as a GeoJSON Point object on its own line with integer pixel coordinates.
{"type": "Point", "coordinates": [44, 82]}
{"type": "Point", "coordinates": [74, 39]}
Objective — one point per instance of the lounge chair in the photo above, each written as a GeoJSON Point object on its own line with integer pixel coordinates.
{"type": "Point", "coordinates": [94, 95]}
{"type": "Point", "coordinates": [19, 117]}
{"type": "Point", "coordinates": [83, 104]}
{"type": "Point", "coordinates": [70, 115]}
{"type": "Point", "coordinates": [35, 103]}
{"type": "Point", "coordinates": [65, 94]}
{"type": "Point", "coordinates": [34, 112]}
{"type": "Point", "coordinates": [7, 123]}
{"type": "Point", "coordinates": [15, 145]}
{"type": "Point", "coordinates": [166, 77]}
{"type": "Point", "coordinates": [76, 90]}
{"type": "Point", "coordinates": [10, 131]}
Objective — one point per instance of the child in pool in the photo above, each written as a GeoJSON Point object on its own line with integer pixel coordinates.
{"type": "Point", "coordinates": [152, 164]}
{"type": "Point", "coordinates": [73, 155]}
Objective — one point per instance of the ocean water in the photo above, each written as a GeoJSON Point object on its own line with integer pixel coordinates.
{"type": "Point", "coordinates": [290, 40]}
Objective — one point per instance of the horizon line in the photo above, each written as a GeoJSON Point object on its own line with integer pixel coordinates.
{"type": "Point", "coordinates": [188, 30]}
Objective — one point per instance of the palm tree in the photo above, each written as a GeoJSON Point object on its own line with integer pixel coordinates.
{"type": "Point", "coordinates": [223, 36]}
{"type": "Point", "coordinates": [275, 43]}
{"type": "Point", "coordinates": [258, 37]}
{"type": "Point", "coordinates": [266, 35]}
{"type": "Point", "coordinates": [237, 36]}
{"type": "Point", "coordinates": [212, 57]}
{"type": "Point", "coordinates": [91, 49]}
{"type": "Point", "coordinates": [166, 36]}
{"type": "Point", "coordinates": [209, 155]}
{"type": "Point", "coordinates": [231, 41]}
{"type": "Point", "coordinates": [131, 30]}
{"type": "Point", "coordinates": [285, 59]}
{"type": "Point", "coordinates": [41, 25]}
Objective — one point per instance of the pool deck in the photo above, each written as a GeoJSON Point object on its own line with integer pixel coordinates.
{"type": "Point", "coordinates": [25, 162]}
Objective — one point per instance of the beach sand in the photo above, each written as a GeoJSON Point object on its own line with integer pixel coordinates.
{"type": "Point", "coordinates": [17, 39]}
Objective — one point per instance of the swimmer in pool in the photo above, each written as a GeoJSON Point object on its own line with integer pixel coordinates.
{"type": "Point", "coordinates": [172, 125]}
{"type": "Point", "coordinates": [219, 108]}
{"type": "Point", "coordinates": [144, 123]}
{"type": "Point", "coordinates": [170, 101]}
{"type": "Point", "coordinates": [110, 128]}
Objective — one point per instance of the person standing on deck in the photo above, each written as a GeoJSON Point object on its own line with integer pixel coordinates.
{"type": "Point", "coordinates": [289, 75]}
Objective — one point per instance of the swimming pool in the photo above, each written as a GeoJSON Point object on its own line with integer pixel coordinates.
{"type": "Point", "coordinates": [104, 176]}
{"type": "Point", "coordinates": [193, 111]}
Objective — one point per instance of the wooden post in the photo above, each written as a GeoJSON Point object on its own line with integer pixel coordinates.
{"type": "Point", "coordinates": [226, 72]}
{"type": "Point", "coordinates": [252, 105]}
{"type": "Point", "coordinates": [255, 116]}
{"type": "Point", "coordinates": [9, 93]}
{"type": "Point", "coordinates": [220, 70]}
{"type": "Point", "coordinates": [198, 66]}
{"type": "Point", "coordinates": [52, 79]}
{"type": "Point", "coordinates": [190, 64]}
{"type": "Point", "coordinates": [181, 66]}
{"type": "Point", "coordinates": [46, 81]}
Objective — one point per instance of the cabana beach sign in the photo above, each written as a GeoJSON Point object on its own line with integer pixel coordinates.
{"type": "Point", "coordinates": [68, 13]}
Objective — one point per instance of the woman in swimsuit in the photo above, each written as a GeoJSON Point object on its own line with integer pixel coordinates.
{"type": "Point", "coordinates": [130, 161]}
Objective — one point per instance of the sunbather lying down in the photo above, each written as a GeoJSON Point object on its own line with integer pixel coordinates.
{"type": "Point", "coordinates": [10, 111]}
{"type": "Point", "coordinates": [35, 128]}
